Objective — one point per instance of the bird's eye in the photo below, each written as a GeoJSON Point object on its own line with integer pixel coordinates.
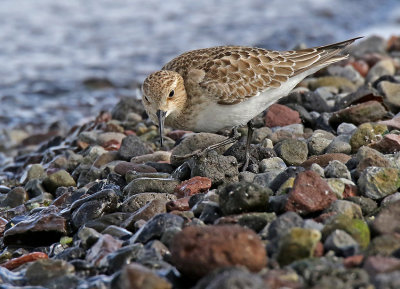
{"type": "Point", "coordinates": [145, 97]}
{"type": "Point", "coordinates": [171, 94]}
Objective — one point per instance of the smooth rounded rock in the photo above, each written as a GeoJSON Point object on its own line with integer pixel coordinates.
{"type": "Point", "coordinates": [58, 179]}
{"type": "Point", "coordinates": [132, 146]}
{"type": "Point", "coordinates": [144, 185]}
{"type": "Point", "coordinates": [292, 151]}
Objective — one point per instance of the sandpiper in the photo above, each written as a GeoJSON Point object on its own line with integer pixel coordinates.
{"type": "Point", "coordinates": [211, 89]}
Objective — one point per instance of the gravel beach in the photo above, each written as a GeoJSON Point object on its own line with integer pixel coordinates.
{"type": "Point", "coordinates": [101, 205]}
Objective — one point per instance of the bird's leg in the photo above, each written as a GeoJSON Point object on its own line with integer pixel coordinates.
{"type": "Point", "coordinates": [250, 131]}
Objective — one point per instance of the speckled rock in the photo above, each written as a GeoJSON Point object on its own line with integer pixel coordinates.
{"type": "Point", "coordinates": [341, 243]}
{"type": "Point", "coordinates": [347, 208]}
{"type": "Point", "coordinates": [368, 157]}
{"type": "Point", "coordinates": [144, 185]}
{"type": "Point", "coordinates": [388, 145]}
{"type": "Point", "coordinates": [243, 197]}
{"type": "Point", "coordinates": [310, 193]}
{"type": "Point", "coordinates": [319, 141]}
{"type": "Point", "coordinates": [281, 115]}
{"type": "Point", "coordinates": [135, 202]}
{"type": "Point", "coordinates": [292, 151]}
{"type": "Point", "coordinates": [377, 182]}
{"type": "Point", "coordinates": [196, 251]}
{"type": "Point", "coordinates": [338, 146]}
{"type": "Point", "coordinates": [15, 197]}
{"type": "Point", "coordinates": [193, 186]}
{"type": "Point", "coordinates": [220, 169]}
{"type": "Point", "coordinates": [145, 213]}
{"type": "Point", "coordinates": [336, 169]}
{"type": "Point", "coordinates": [298, 244]}
{"type": "Point", "coordinates": [323, 160]}
{"type": "Point", "coordinates": [123, 167]}
{"type": "Point", "coordinates": [367, 133]}
{"type": "Point", "coordinates": [133, 146]}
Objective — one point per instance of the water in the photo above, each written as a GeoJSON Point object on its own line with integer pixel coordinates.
{"type": "Point", "coordinates": [48, 48]}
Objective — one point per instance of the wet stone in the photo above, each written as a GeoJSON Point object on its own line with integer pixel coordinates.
{"type": "Point", "coordinates": [135, 202]}
{"type": "Point", "coordinates": [146, 212]}
{"type": "Point", "coordinates": [44, 271]}
{"type": "Point", "coordinates": [105, 245]}
{"type": "Point", "coordinates": [156, 226]}
{"type": "Point", "coordinates": [117, 232]}
{"type": "Point", "coordinates": [196, 251]}
{"type": "Point", "coordinates": [15, 197]}
{"type": "Point", "coordinates": [143, 185]}
{"type": "Point", "coordinates": [136, 276]}
{"type": "Point", "coordinates": [101, 223]}
{"type": "Point", "coordinates": [123, 167]}
{"type": "Point", "coordinates": [243, 197]}
{"type": "Point", "coordinates": [125, 255]}
{"type": "Point", "coordinates": [133, 146]}
{"type": "Point", "coordinates": [58, 179]}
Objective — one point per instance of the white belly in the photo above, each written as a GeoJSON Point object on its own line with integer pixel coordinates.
{"type": "Point", "coordinates": [217, 117]}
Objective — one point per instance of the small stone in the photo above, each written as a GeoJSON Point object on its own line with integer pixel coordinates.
{"type": "Point", "coordinates": [384, 245]}
{"type": "Point", "coordinates": [391, 91]}
{"type": "Point", "coordinates": [346, 128]}
{"type": "Point", "coordinates": [394, 122]}
{"type": "Point", "coordinates": [319, 141]}
{"type": "Point", "coordinates": [144, 185]}
{"type": "Point", "coordinates": [292, 151]}
{"type": "Point", "coordinates": [220, 169]}
{"type": "Point", "coordinates": [388, 220]}
{"type": "Point", "coordinates": [27, 258]}
{"type": "Point", "coordinates": [261, 134]}
{"type": "Point", "coordinates": [36, 171]}
{"type": "Point", "coordinates": [105, 245]}
{"type": "Point", "coordinates": [383, 67]}
{"type": "Point", "coordinates": [243, 197]}
{"type": "Point", "coordinates": [273, 163]}
{"type": "Point", "coordinates": [15, 197]}
{"type": "Point", "coordinates": [58, 179]}
{"type": "Point", "coordinates": [356, 228]}
{"type": "Point", "coordinates": [158, 156]}
{"type": "Point", "coordinates": [196, 251]}
{"type": "Point", "coordinates": [336, 169]}
{"type": "Point", "coordinates": [282, 225]}
{"type": "Point", "coordinates": [368, 157]}
{"type": "Point", "coordinates": [136, 276]}
{"type": "Point", "coordinates": [156, 226]}
{"type": "Point", "coordinates": [116, 232]}
{"type": "Point", "coordinates": [372, 44]}
{"type": "Point", "coordinates": [388, 145]}
{"type": "Point", "coordinates": [341, 243]}
{"type": "Point", "coordinates": [318, 169]}
{"type": "Point", "coordinates": [193, 186]}
{"type": "Point", "coordinates": [338, 146]}
{"type": "Point", "coordinates": [133, 146]}
{"type": "Point", "coordinates": [347, 208]}
{"type": "Point", "coordinates": [298, 244]}
{"type": "Point", "coordinates": [367, 133]}
{"type": "Point", "coordinates": [181, 204]}
{"type": "Point", "coordinates": [123, 167]}
{"type": "Point", "coordinates": [310, 193]}
{"type": "Point", "coordinates": [367, 205]}
{"type": "Point", "coordinates": [369, 111]}
{"type": "Point", "coordinates": [377, 182]}
{"type": "Point", "coordinates": [253, 221]}
{"type": "Point", "coordinates": [323, 160]}
{"type": "Point", "coordinates": [281, 115]}
{"type": "Point", "coordinates": [193, 142]}
{"type": "Point", "coordinates": [378, 264]}
{"type": "Point", "coordinates": [343, 84]}
{"type": "Point", "coordinates": [146, 212]}
{"type": "Point", "coordinates": [135, 202]}
{"type": "Point", "coordinates": [106, 137]}
{"type": "Point", "coordinates": [44, 271]}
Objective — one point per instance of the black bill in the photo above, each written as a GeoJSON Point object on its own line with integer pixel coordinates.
{"type": "Point", "coordinates": [161, 117]}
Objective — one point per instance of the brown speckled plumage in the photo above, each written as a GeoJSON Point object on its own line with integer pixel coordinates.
{"type": "Point", "coordinates": [229, 76]}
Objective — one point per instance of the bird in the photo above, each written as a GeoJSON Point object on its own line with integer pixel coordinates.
{"type": "Point", "coordinates": [211, 89]}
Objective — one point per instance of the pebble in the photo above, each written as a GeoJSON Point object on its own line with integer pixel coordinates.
{"type": "Point", "coordinates": [280, 115]}
{"type": "Point", "coordinates": [336, 169]}
{"type": "Point", "coordinates": [44, 271]}
{"type": "Point", "coordinates": [58, 179]}
{"type": "Point", "coordinates": [133, 146]}
{"type": "Point", "coordinates": [292, 151]}
{"type": "Point", "coordinates": [389, 144]}
{"type": "Point", "coordinates": [196, 251]}
{"type": "Point", "coordinates": [319, 141]}
{"type": "Point", "coordinates": [341, 243]}
{"type": "Point", "coordinates": [158, 156]}
{"type": "Point", "coordinates": [387, 221]}
{"type": "Point", "coordinates": [15, 197]}
{"type": "Point", "coordinates": [135, 202]}
{"type": "Point", "coordinates": [377, 182]}
{"type": "Point", "coordinates": [137, 276]}
{"type": "Point", "coordinates": [144, 185]}
{"type": "Point", "coordinates": [243, 197]}
{"type": "Point", "coordinates": [193, 186]}
{"type": "Point", "coordinates": [383, 67]}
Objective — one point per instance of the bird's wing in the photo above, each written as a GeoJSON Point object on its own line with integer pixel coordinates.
{"type": "Point", "coordinates": [233, 74]}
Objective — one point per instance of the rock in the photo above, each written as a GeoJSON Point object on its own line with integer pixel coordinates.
{"type": "Point", "coordinates": [282, 225]}
{"type": "Point", "coordinates": [338, 146]}
{"type": "Point", "coordinates": [193, 186]}
{"type": "Point", "coordinates": [388, 145]}
{"type": "Point", "coordinates": [158, 156]}
{"type": "Point", "coordinates": [44, 271]}
{"type": "Point", "coordinates": [144, 185]}
{"type": "Point", "coordinates": [93, 207]}
{"type": "Point", "coordinates": [58, 179]}
{"type": "Point", "coordinates": [298, 244]}
{"type": "Point", "coordinates": [133, 146]}
{"type": "Point", "coordinates": [343, 84]}
{"type": "Point", "coordinates": [123, 167]}
{"type": "Point", "coordinates": [319, 141]}
{"type": "Point", "coordinates": [261, 134]}
{"type": "Point", "coordinates": [356, 228]}
{"type": "Point", "coordinates": [156, 227]}
{"type": "Point", "coordinates": [369, 111]}
{"type": "Point", "coordinates": [181, 204]}
{"type": "Point", "coordinates": [376, 182]}
{"type": "Point", "coordinates": [310, 193]}
{"type": "Point", "coordinates": [132, 175]}
{"type": "Point", "coordinates": [378, 264]}
{"type": "Point", "coordinates": [243, 197]}
{"type": "Point", "coordinates": [345, 207]}
{"type": "Point", "coordinates": [88, 237]}
{"type": "Point", "coordinates": [341, 243]}
{"type": "Point", "coordinates": [136, 276]}
{"type": "Point", "coordinates": [384, 245]}
{"type": "Point", "coordinates": [383, 67]}
{"type": "Point", "coordinates": [272, 164]}
{"type": "Point", "coordinates": [27, 258]}
{"type": "Point", "coordinates": [125, 106]}
{"type": "Point", "coordinates": [370, 44]}
{"type": "Point", "coordinates": [103, 222]}
{"type": "Point", "coordinates": [15, 197]}
{"type": "Point", "coordinates": [349, 72]}
{"type": "Point", "coordinates": [220, 169]}
{"type": "Point", "coordinates": [257, 152]}
{"type": "Point", "coordinates": [228, 278]}
{"type": "Point", "coordinates": [367, 205]}
{"type": "Point", "coordinates": [135, 202]}
{"type": "Point", "coordinates": [253, 221]}
{"type": "Point", "coordinates": [196, 251]}
{"type": "Point", "coordinates": [336, 169]}
{"type": "Point", "coordinates": [387, 280]}
{"type": "Point", "coordinates": [106, 137]}
{"type": "Point", "coordinates": [387, 221]}
{"type": "Point", "coordinates": [292, 151]}
{"type": "Point", "coordinates": [323, 160]}
{"type": "Point", "coordinates": [145, 213]}
{"type": "Point", "coordinates": [346, 128]}
{"type": "Point", "coordinates": [43, 228]}
{"type": "Point", "coordinates": [281, 115]}
{"type": "Point", "coordinates": [368, 157]}
{"type": "Point", "coordinates": [193, 142]}
{"type": "Point", "coordinates": [394, 122]}
{"type": "Point", "coordinates": [117, 232]}
{"type": "Point", "coordinates": [391, 91]}
{"type": "Point", "coordinates": [365, 134]}
{"type": "Point", "coordinates": [36, 171]}
{"type": "Point", "coordinates": [105, 245]}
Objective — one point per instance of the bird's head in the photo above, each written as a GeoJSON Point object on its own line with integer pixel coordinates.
{"type": "Point", "coordinates": [163, 94]}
